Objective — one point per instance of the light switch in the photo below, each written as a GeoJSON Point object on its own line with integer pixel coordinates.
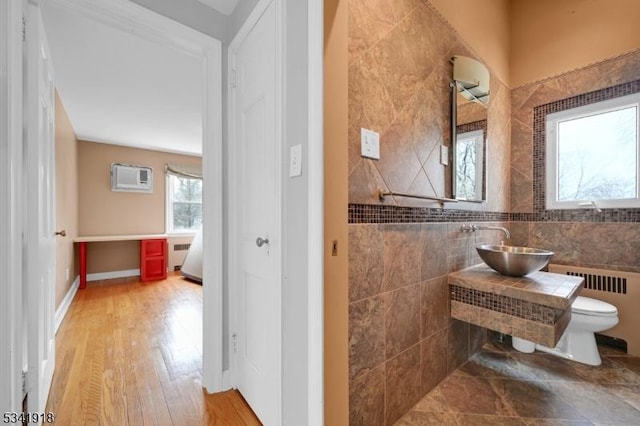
{"type": "Point", "coordinates": [295, 161]}
{"type": "Point", "coordinates": [444, 155]}
{"type": "Point", "coordinates": [370, 144]}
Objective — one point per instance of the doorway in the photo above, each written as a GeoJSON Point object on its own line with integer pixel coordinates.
{"type": "Point", "coordinates": [302, 263]}
{"type": "Point", "coordinates": [128, 16]}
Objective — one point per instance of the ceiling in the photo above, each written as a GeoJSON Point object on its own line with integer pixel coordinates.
{"type": "Point", "coordinates": [122, 89]}
{"type": "Point", "coordinates": [223, 6]}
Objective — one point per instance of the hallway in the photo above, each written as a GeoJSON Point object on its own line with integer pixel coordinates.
{"type": "Point", "coordinates": [130, 353]}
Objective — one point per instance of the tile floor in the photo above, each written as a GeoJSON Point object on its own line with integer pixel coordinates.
{"type": "Point", "coordinates": [500, 386]}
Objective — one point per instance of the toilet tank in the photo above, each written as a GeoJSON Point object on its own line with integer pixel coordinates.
{"type": "Point", "coordinates": [621, 289]}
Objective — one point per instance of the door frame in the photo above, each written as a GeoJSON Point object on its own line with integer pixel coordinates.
{"type": "Point", "coordinates": [11, 209]}
{"type": "Point", "coordinates": [123, 14]}
{"type": "Point", "coordinates": [313, 165]}
{"type": "Point", "coordinates": [316, 242]}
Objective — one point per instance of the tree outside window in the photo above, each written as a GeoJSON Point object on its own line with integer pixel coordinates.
{"type": "Point", "coordinates": [597, 156]}
{"type": "Point", "coordinates": [185, 204]}
{"type": "Point", "coordinates": [468, 184]}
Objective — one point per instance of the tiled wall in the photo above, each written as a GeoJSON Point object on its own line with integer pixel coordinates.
{"type": "Point", "coordinates": [402, 340]}
{"type": "Point", "coordinates": [399, 75]}
{"type": "Point", "coordinates": [610, 239]}
{"type": "Point", "coordinates": [401, 337]}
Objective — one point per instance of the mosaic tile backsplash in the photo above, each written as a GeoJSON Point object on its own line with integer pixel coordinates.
{"type": "Point", "coordinates": [506, 305]}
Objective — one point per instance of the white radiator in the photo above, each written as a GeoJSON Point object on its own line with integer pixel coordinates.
{"type": "Point", "coordinates": [621, 289]}
{"type": "Point", "coordinates": [178, 248]}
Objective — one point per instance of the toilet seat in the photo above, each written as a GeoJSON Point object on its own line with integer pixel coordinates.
{"type": "Point", "coordinates": [592, 307]}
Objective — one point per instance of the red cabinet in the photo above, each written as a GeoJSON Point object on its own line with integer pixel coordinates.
{"type": "Point", "coordinates": [153, 259]}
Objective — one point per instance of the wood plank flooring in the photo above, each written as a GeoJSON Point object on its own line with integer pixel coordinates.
{"type": "Point", "coordinates": [130, 353]}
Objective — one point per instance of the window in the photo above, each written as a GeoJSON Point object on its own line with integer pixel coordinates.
{"type": "Point", "coordinates": [184, 204]}
{"type": "Point", "coordinates": [592, 155]}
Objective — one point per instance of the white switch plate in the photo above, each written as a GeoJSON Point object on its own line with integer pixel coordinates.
{"type": "Point", "coordinates": [444, 155]}
{"type": "Point", "coordinates": [370, 144]}
{"type": "Point", "coordinates": [295, 161]}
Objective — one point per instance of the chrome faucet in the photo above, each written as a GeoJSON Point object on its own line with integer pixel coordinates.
{"type": "Point", "coordinates": [474, 228]}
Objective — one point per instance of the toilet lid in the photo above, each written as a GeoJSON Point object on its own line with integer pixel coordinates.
{"type": "Point", "coordinates": [587, 306]}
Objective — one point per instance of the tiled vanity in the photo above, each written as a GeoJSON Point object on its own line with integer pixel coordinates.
{"type": "Point", "coordinates": [536, 307]}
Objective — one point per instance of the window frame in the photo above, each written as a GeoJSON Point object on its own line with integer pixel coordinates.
{"type": "Point", "coordinates": [169, 229]}
{"type": "Point", "coordinates": [551, 153]}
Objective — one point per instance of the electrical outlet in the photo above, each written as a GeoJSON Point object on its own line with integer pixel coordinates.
{"type": "Point", "coordinates": [370, 144]}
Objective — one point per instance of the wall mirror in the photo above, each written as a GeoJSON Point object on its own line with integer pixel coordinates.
{"type": "Point", "coordinates": [469, 101]}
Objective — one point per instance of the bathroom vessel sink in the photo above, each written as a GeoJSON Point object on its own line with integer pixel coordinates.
{"type": "Point", "coordinates": [514, 261]}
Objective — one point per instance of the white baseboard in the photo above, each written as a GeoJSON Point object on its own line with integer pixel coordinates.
{"type": "Point", "coordinates": [68, 298]}
{"type": "Point", "coordinates": [66, 303]}
{"type": "Point", "coordinates": [226, 380]}
{"type": "Point", "coordinates": [113, 274]}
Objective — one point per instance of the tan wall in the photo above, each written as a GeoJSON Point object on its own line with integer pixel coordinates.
{"type": "Point", "coordinates": [125, 255]}
{"type": "Point", "coordinates": [549, 37]}
{"type": "Point", "coordinates": [484, 25]}
{"type": "Point", "coordinates": [66, 200]}
{"type": "Point", "coordinates": [105, 212]}
{"type": "Point", "coordinates": [336, 296]}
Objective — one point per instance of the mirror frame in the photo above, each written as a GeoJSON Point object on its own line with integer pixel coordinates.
{"type": "Point", "coordinates": [454, 144]}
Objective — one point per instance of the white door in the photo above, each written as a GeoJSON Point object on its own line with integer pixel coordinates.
{"type": "Point", "coordinates": [40, 215]}
{"type": "Point", "coordinates": [257, 231]}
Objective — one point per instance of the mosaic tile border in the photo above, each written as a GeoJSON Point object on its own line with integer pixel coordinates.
{"type": "Point", "coordinates": [579, 215]}
{"type": "Point", "coordinates": [545, 334]}
{"type": "Point", "coordinates": [506, 305]}
{"type": "Point", "coordinates": [539, 179]}
{"type": "Point", "coordinates": [372, 213]}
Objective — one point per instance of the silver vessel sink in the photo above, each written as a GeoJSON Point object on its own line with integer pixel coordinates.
{"type": "Point", "coordinates": [514, 261]}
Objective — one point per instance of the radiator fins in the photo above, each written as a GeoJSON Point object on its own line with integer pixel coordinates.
{"type": "Point", "coordinates": [604, 283]}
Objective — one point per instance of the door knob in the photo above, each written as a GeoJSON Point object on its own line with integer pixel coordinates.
{"type": "Point", "coordinates": [260, 241]}
{"type": "Point", "coordinates": [62, 233]}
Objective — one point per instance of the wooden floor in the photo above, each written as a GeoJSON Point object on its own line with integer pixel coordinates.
{"type": "Point", "coordinates": [130, 353]}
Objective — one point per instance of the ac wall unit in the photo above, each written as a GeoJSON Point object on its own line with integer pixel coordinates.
{"type": "Point", "coordinates": [129, 178]}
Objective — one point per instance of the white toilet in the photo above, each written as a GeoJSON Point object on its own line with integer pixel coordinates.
{"type": "Point", "coordinates": [578, 343]}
